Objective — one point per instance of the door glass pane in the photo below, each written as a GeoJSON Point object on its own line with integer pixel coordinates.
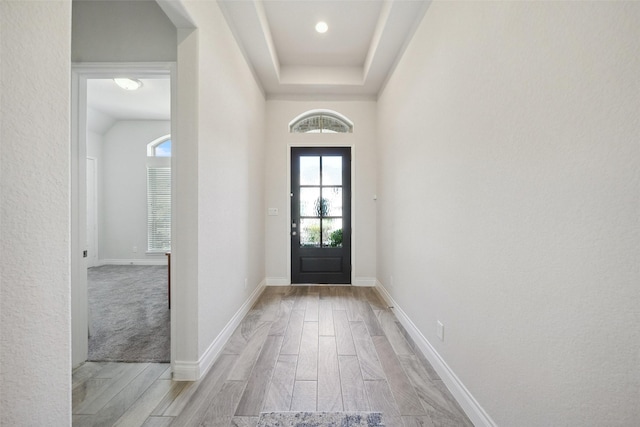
{"type": "Point", "coordinates": [332, 170]}
{"type": "Point", "coordinates": [332, 232]}
{"type": "Point", "coordinates": [309, 170]}
{"type": "Point", "coordinates": [309, 197]}
{"type": "Point", "coordinates": [310, 232]}
{"type": "Point", "coordinates": [333, 200]}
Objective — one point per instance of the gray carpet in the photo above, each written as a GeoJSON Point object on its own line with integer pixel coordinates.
{"type": "Point", "coordinates": [129, 314]}
{"type": "Point", "coordinates": [320, 419]}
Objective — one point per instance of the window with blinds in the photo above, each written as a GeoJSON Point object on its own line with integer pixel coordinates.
{"type": "Point", "coordinates": [159, 195]}
{"type": "Point", "coordinates": [159, 208]}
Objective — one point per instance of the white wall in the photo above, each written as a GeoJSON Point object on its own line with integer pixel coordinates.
{"type": "Point", "coordinates": [231, 174]}
{"type": "Point", "coordinates": [509, 204]}
{"type": "Point", "coordinates": [279, 115]}
{"type": "Point", "coordinates": [123, 216]}
{"type": "Point", "coordinates": [220, 184]}
{"type": "Point", "coordinates": [94, 145]}
{"type": "Point", "coordinates": [35, 335]}
{"type": "Point", "coordinates": [97, 121]}
{"type": "Point", "coordinates": [129, 31]}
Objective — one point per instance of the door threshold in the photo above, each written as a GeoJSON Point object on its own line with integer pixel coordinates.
{"type": "Point", "coordinates": [321, 284]}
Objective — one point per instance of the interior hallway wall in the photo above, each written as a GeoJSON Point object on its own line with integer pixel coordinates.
{"type": "Point", "coordinates": [35, 332]}
{"type": "Point", "coordinates": [509, 204]}
{"type": "Point", "coordinates": [223, 111]}
{"type": "Point", "coordinates": [279, 114]}
{"type": "Point", "coordinates": [122, 31]}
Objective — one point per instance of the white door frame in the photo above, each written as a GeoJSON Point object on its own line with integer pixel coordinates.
{"type": "Point", "coordinates": [92, 221]}
{"type": "Point", "coordinates": [80, 73]}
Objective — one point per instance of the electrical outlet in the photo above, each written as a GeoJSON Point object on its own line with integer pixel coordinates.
{"type": "Point", "coordinates": [440, 330]}
{"type": "Point", "coordinates": [134, 249]}
{"type": "Point", "coordinates": [246, 283]}
{"type": "Point", "coordinates": [391, 282]}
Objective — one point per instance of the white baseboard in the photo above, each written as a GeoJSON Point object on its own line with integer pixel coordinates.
{"type": "Point", "coordinates": [185, 371]}
{"type": "Point", "coordinates": [277, 281]}
{"type": "Point", "coordinates": [193, 371]}
{"type": "Point", "coordinates": [365, 281]}
{"type": "Point", "coordinates": [160, 261]}
{"type": "Point", "coordinates": [469, 404]}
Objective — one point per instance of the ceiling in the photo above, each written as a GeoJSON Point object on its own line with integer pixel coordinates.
{"type": "Point", "coordinates": [353, 58]}
{"type": "Point", "coordinates": [152, 101]}
{"type": "Point", "coordinates": [109, 103]}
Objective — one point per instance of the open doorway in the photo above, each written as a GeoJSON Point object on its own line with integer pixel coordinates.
{"type": "Point", "coordinates": [128, 281]}
{"type": "Point", "coordinates": [120, 281]}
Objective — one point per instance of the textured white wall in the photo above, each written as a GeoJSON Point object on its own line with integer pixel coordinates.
{"type": "Point", "coordinates": [129, 31]}
{"type": "Point", "coordinates": [509, 204]}
{"type": "Point", "coordinates": [229, 151]}
{"type": "Point", "coordinates": [124, 207]}
{"type": "Point", "coordinates": [35, 336]}
{"type": "Point", "coordinates": [279, 114]}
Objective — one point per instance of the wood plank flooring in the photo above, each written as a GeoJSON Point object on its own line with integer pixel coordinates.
{"type": "Point", "coordinates": [300, 348]}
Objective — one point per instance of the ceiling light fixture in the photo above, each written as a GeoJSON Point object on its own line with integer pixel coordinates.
{"type": "Point", "coordinates": [322, 27]}
{"type": "Point", "coordinates": [128, 84]}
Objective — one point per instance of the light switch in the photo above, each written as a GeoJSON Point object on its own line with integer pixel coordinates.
{"type": "Point", "coordinates": [272, 211]}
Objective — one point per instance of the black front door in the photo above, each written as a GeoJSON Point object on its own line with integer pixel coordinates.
{"type": "Point", "coordinates": [321, 215]}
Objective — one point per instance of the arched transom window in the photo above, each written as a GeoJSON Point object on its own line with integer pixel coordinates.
{"type": "Point", "coordinates": [160, 147]}
{"type": "Point", "coordinates": [321, 121]}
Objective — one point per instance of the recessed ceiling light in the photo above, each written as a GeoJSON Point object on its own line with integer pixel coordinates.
{"type": "Point", "coordinates": [128, 84]}
{"type": "Point", "coordinates": [322, 27]}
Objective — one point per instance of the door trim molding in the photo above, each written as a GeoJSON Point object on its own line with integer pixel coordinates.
{"type": "Point", "coordinates": [353, 204]}
{"type": "Point", "coordinates": [80, 73]}
{"type": "Point", "coordinates": [93, 252]}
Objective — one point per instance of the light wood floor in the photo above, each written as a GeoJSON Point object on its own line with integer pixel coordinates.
{"type": "Point", "coordinates": [325, 348]}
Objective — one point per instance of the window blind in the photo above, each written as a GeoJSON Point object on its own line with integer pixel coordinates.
{"type": "Point", "coordinates": [159, 208]}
